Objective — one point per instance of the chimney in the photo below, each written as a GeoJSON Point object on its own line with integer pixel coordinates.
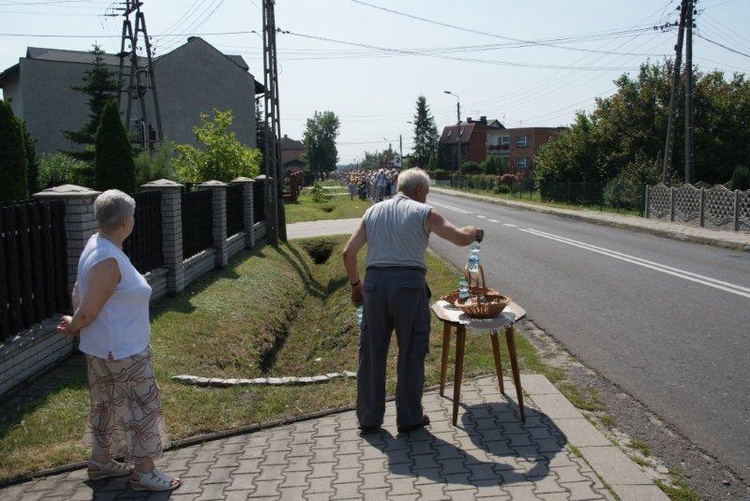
{"type": "Point", "coordinates": [469, 120]}
{"type": "Point", "coordinates": [483, 120]}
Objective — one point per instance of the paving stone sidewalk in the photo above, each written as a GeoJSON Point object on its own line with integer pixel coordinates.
{"type": "Point", "coordinates": [489, 455]}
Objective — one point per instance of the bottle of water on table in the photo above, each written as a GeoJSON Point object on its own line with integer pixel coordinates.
{"type": "Point", "coordinates": [463, 288]}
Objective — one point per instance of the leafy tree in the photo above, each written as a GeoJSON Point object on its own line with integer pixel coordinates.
{"type": "Point", "coordinates": [100, 85]}
{"type": "Point", "coordinates": [59, 168]}
{"type": "Point", "coordinates": [12, 156]}
{"type": "Point", "coordinates": [320, 142]}
{"type": "Point", "coordinates": [223, 156]}
{"type": "Point", "coordinates": [630, 126]}
{"type": "Point", "coordinates": [425, 134]}
{"type": "Point", "coordinates": [113, 153]}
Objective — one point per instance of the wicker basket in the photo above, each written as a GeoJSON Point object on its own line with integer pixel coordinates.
{"type": "Point", "coordinates": [482, 302]}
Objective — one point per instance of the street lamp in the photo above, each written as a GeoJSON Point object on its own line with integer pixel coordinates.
{"type": "Point", "coordinates": [458, 105]}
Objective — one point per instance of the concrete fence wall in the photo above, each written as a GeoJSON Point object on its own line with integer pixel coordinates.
{"type": "Point", "coordinates": [36, 350]}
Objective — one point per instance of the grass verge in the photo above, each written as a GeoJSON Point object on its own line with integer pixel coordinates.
{"type": "Point", "coordinates": [276, 311]}
{"type": "Point", "coordinates": [338, 206]}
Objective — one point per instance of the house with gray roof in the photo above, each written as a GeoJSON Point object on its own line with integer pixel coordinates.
{"type": "Point", "coordinates": [192, 79]}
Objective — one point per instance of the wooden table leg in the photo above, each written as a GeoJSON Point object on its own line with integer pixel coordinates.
{"type": "Point", "coordinates": [498, 362]}
{"type": "Point", "coordinates": [460, 345]}
{"type": "Point", "coordinates": [510, 339]}
{"type": "Point", "coordinates": [446, 349]}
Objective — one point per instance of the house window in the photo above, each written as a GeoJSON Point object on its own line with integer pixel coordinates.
{"type": "Point", "coordinates": [503, 141]}
{"type": "Point", "coordinates": [450, 131]}
{"type": "Point", "coordinates": [461, 133]}
{"type": "Point", "coordinates": [522, 141]}
{"type": "Point", "coordinates": [522, 163]}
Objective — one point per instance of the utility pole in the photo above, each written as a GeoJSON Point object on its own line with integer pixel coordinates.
{"type": "Point", "coordinates": [669, 146]}
{"type": "Point", "coordinates": [400, 150]}
{"type": "Point", "coordinates": [273, 166]}
{"type": "Point", "coordinates": [137, 87]}
{"type": "Point", "coordinates": [685, 33]}
{"type": "Point", "coordinates": [689, 148]}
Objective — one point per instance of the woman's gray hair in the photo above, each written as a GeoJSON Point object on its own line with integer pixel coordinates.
{"type": "Point", "coordinates": [112, 208]}
{"type": "Point", "coordinates": [409, 179]}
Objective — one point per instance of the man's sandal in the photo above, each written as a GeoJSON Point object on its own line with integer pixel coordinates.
{"type": "Point", "coordinates": [100, 471]}
{"type": "Point", "coordinates": [154, 480]}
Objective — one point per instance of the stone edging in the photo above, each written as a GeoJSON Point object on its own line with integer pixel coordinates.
{"type": "Point", "coordinates": [264, 381]}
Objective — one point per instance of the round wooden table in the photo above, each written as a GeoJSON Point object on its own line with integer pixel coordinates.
{"type": "Point", "coordinates": [452, 318]}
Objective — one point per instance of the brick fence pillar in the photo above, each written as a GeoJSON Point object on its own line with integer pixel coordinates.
{"type": "Point", "coordinates": [247, 209]}
{"type": "Point", "coordinates": [80, 222]}
{"type": "Point", "coordinates": [219, 219]}
{"type": "Point", "coordinates": [171, 223]}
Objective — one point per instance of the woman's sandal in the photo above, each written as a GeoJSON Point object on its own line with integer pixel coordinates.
{"type": "Point", "coordinates": [154, 480]}
{"type": "Point", "coordinates": [100, 471]}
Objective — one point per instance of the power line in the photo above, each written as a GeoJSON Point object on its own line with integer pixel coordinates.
{"type": "Point", "coordinates": [722, 45]}
{"type": "Point", "coordinates": [464, 59]}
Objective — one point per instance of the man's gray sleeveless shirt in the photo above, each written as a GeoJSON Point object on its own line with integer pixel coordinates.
{"type": "Point", "coordinates": [396, 234]}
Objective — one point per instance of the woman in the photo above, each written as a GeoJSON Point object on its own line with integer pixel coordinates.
{"type": "Point", "coordinates": [111, 305]}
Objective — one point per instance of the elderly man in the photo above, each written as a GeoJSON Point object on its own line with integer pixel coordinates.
{"type": "Point", "coordinates": [396, 295]}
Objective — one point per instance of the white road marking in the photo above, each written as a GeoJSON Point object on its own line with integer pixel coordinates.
{"type": "Point", "coordinates": [687, 275]}
{"type": "Point", "coordinates": [481, 217]}
{"type": "Point", "coordinates": [493, 220]}
{"type": "Point", "coordinates": [510, 225]}
{"type": "Point", "coordinates": [451, 207]}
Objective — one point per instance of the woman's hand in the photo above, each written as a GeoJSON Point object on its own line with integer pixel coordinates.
{"type": "Point", "coordinates": [62, 327]}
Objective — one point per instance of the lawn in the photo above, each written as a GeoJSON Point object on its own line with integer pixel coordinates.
{"type": "Point", "coordinates": [274, 311]}
{"type": "Point", "coordinates": [337, 206]}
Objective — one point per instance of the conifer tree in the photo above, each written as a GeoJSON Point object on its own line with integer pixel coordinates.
{"type": "Point", "coordinates": [12, 156]}
{"type": "Point", "coordinates": [101, 85]}
{"type": "Point", "coordinates": [113, 165]}
{"type": "Point", "coordinates": [425, 134]}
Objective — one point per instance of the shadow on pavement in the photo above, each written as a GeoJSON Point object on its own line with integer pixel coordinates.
{"type": "Point", "coordinates": [499, 450]}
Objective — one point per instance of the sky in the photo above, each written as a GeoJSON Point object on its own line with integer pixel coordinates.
{"type": "Point", "coordinates": [532, 63]}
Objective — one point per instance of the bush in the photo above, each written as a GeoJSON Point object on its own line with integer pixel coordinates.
{"type": "Point", "coordinates": [502, 188]}
{"type": "Point", "coordinates": [507, 179]}
{"type": "Point", "coordinates": [12, 156]}
{"type": "Point", "coordinates": [741, 178]}
{"type": "Point", "coordinates": [627, 188]}
{"type": "Point", "coordinates": [59, 168]}
{"type": "Point", "coordinates": [471, 168]}
{"type": "Point", "coordinates": [493, 164]}
{"type": "Point", "coordinates": [113, 164]}
{"type": "Point", "coordinates": [438, 175]}
{"type": "Point", "coordinates": [223, 156]}
{"type": "Point", "coordinates": [150, 167]}
{"type": "Point", "coordinates": [319, 195]}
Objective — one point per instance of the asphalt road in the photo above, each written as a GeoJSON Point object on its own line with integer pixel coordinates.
{"type": "Point", "coordinates": [667, 321]}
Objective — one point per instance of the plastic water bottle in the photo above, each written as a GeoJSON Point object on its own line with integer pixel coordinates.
{"type": "Point", "coordinates": [473, 264]}
{"type": "Point", "coordinates": [360, 314]}
{"type": "Point", "coordinates": [463, 288]}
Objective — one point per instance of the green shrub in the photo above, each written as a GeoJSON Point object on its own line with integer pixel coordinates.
{"type": "Point", "coordinates": [493, 164]}
{"type": "Point", "coordinates": [471, 168]}
{"type": "Point", "coordinates": [12, 156]}
{"type": "Point", "coordinates": [157, 165]}
{"type": "Point", "coordinates": [741, 178]}
{"type": "Point", "coordinates": [59, 168]}
{"type": "Point", "coordinates": [319, 195]}
{"type": "Point", "coordinates": [627, 188]}
{"type": "Point", "coordinates": [502, 188]}
{"type": "Point", "coordinates": [113, 164]}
